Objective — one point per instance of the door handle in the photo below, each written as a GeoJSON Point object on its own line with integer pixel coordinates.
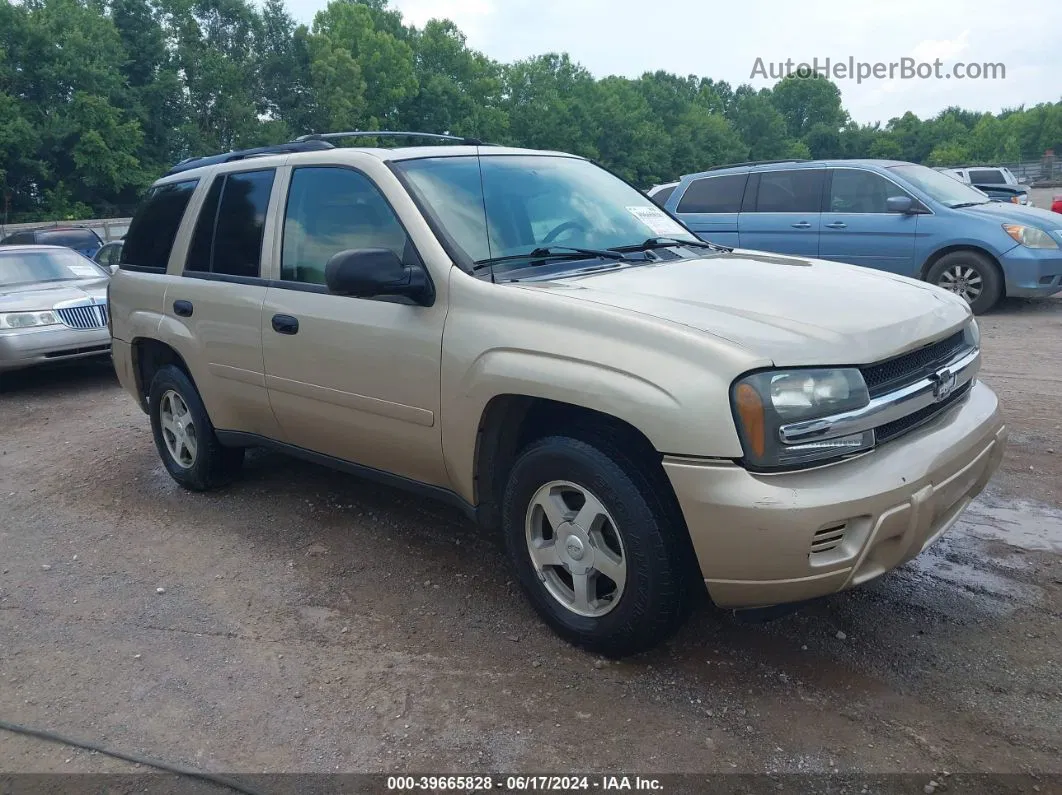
{"type": "Point", "coordinates": [837, 225]}
{"type": "Point", "coordinates": [285, 324]}
{"type": "Point", "coordinates": [182, 308]}
{"type": "Point", "coordinates": [801, 225]}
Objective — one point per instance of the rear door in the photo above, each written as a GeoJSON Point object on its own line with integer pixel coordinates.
{"type": "Point", "coordinates": [214, 308]}
{"type": "Point", "coordinates": [857, 227]}
{"type": "Point", "coordinates": [709, 206]}
{"type": "Point", "coordinates": [782, 211]}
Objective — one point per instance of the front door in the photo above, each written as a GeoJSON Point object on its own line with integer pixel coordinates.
{"type": "Point", "coordinates": [352, 378]}
{"type": "Point", "coordinates": [781, 212]}
{"type": "Point", "coordinates": [857, 227]}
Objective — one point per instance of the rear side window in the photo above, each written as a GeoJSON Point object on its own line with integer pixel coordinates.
{"type": "Point", "coordinates": [795, 191]}
{"type": "Point", "coordinates": [228, 235]}
{"type": "Point", "coordinates": [714, 194]}
{"type": "Point", "coordinates": [987, 176]}
{"type": "Point", "coordinates": [71, 238]}
{"type": "Point", "coordinates": [149, 241]}
{"type": "Point", "coordinates": [661, 197]}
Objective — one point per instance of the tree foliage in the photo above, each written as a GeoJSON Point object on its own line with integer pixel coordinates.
{"type": "Point", "coordinates": [98, 97]}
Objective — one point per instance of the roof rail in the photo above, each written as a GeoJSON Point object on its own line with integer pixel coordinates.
{"type": "Point", "coordinates": [389, 134]}
{"type": "Point", "coordinates": [760, 163]}
{"type": "Point", "coordinates": [243, 154]}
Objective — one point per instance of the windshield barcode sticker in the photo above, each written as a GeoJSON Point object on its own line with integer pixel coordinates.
{"type": "Point", "coordinates": [86, 271]}
{"type": "Point", "coordinates": [659, 222]}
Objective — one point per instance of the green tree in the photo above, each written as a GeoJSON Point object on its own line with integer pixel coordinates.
{"type": "Point", "coordinates": [810, 102]}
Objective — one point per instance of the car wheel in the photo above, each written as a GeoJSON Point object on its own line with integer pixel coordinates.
{"type": "Point", "coordinates": [970, 275]}
{"type": "Point", "coordinates": [185, 439]}
{"type": "Point", "coordinates": [593, 548]}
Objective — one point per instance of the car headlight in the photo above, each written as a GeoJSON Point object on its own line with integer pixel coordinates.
{"type": "Point", "coordinates": [764, 402]}
{"type": "Point", "coordinates": [27, 319]}
{"type": "Point", "coordinates": [1030, 236]}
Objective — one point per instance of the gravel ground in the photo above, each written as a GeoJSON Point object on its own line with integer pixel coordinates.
{"type": "Point", "coordinates": [306, 621]}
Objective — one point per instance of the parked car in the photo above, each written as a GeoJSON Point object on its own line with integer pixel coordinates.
{"type": "Point", "coordinates": [638, 413]}
{"type": "Point", "coordinates": [1056, 204]}
{"type": "Point", "coordinates": [1008, 194]}
{"type": "Point", "coordinates": [109, 255]}
{"type": "Point", "coordinates": [81, 239]}
{"type": "Point", "coordinates": [889, 215]}
{"type": "Point", "coordinates": [53, 306]}
{"type": "Point", "coordinates": [988, 177]}
{"type": "Point", "coordinates": [661, 193]}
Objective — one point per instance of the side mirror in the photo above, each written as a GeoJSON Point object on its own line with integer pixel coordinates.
{"type": "Point", "coordinates": [371, 272]}
{"type": "Point", "coordinates": [899, 204]}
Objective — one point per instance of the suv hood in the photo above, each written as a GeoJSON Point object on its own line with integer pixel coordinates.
{"type": "Point", "coordinates": [790, 310]}
{"type": "Point", "coordinates": [41, 296]}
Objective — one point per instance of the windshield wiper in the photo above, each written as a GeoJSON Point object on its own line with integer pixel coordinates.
{"type": "Point", "coordinates": [552, 252]}
{"type": "Point", "coordinates": [661, 242]}
{"type": "Point", "coordinates": [966, 204]}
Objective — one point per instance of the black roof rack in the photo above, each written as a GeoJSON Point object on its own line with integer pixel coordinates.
{"type": "Point", "coordinates": [310, 143]}
{"type": "Point", "coordinates": [389, 134]}
{"type": "Point", "coordinates": [760, 163]}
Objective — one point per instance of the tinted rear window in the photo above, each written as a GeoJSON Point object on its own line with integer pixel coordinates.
{"type": "Point", "coordinates": [71, 238]}
{"type": "Point", "coordinates": [661, 197]}
{"type": "Point", "coordinates": [987, 176]}
{"type": "Point", "coordinates": [228, 235]}
{"type": "Point", "coordinates": [794, 191]}
{"type": "Point", "coordinates": [714, 194]}
{"type": "Point", "coordinates": [149, 241]}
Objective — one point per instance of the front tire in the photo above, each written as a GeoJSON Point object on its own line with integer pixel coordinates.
{"type": "Point", "coordinates": [184, 436]}
{"type": "Point", "coordinates": [594, 548]}
{"type": "Point", "coordinates": [970, 275]}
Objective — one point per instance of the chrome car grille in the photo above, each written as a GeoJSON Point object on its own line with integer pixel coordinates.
{"type": "Point", "coordinates": [891, 374]}
{"type": "Point", "coordinates": [83, 317]}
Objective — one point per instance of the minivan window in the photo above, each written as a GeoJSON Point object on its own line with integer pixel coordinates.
{"type": "Point", "coordinates": [720, 194]}
{"type": "Point", "coordinates": [330, 210]}
{"type": "Point", "coordinates": [235, 249]}
{"type": "Point", "coordinates": [149, 241]}
{"type": "Point", "coordinates": [792, 191]}
{"type": "Point", "coordinates": [940, 187]}
{"type": "Point", "coordinates": [857, 191]}
{"type": "Point", "coordinates": [987, 176]}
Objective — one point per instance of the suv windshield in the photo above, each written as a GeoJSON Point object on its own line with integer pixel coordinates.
{"type": "Point", "coordinates": [532, 202]}
{"type": "Point", "coordinates": [946, 190]}
{"type": "Point", "coordinates": [30, 267]}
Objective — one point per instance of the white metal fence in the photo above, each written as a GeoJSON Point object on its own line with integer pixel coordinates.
{"type": "Point", "coordinates": [107, 228]}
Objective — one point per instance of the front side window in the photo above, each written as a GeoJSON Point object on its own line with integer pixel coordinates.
{"type": "Point", "coordinates": [154, 228]}
{"type": "Point", "coordinates": [229, 232]}
{"type": "Point", "coordinates": [511, 205]}
{"type": "Point", "coordinates": [721, 194]}
{"type": "Point", "coordinates": [330, 210]}
{"type": "Point", "coordinates": [854, 191]}
{"type": "Point", "coordinates": [793, 191]}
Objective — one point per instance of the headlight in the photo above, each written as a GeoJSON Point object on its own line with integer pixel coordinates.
{"type": "Point", "coordinates": [764, 402]}
{"type": "Point", "coordinates": [1030, 236]}
{"type": "Point", "coordinates": [27, 319]}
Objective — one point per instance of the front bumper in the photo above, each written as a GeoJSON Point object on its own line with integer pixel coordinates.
{"type": "Point", "coordinates": [1032, 273]}
{"type": "Point", "coordinates": [20, 348]}
{"type": "Point", "coordinates": [763, 540]}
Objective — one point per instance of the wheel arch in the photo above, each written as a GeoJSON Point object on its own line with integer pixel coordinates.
{"type": "Point", "coordinates": [149, 356]}
{"type": "Point", "coordinates": [940, 253]}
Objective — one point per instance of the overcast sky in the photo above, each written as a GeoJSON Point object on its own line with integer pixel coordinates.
{"type": "Point", "coordinates": [723, 40]}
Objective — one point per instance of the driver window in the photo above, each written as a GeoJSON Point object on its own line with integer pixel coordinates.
{"type": "Point", "coordinates": [331, 210]}
{"type": "Point", "coordinates": [855, 191]}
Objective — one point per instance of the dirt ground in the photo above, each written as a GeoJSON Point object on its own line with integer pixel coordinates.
{"type": "Point", "coordinates": [311, 622]}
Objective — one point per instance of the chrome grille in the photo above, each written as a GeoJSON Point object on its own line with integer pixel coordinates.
{"type": "Point", "coordinates": [83, 317]}
{"type": "Point", "coordinates": [908, 368]}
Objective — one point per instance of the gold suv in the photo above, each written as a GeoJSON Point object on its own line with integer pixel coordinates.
{"type": "Point", "coordinates": [640, 413]}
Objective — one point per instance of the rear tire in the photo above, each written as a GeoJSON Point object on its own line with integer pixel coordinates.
{"type": "Point", "coordinates": [970, 275]}
{"type": "Point", "coordinates": [575, 510]}
{"type": "Point", "coordinates": [184, 436]}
